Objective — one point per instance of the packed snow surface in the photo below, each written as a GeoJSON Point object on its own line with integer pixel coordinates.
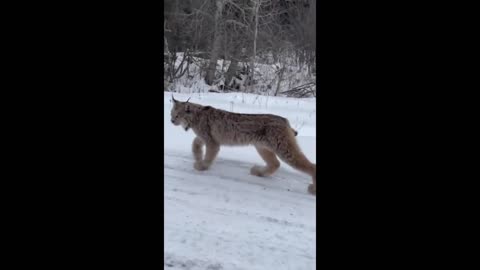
{"type": "Point", "coordinates": [225, 218]}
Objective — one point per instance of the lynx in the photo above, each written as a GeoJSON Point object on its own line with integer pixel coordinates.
{"type": "Point", "coordinates": [271, 135]}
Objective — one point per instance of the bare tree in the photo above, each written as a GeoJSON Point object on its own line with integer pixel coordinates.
{"type": "Point", "coordinates": [217, 42]}
{"type": "Point", "coordinates": [165, 43]}
{"type": "Point", "coordinates": [255, 8]}
{"type": "Point", "coordinates": [236, 28]}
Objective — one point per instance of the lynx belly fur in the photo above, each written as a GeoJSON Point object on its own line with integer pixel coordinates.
{"type": "Point", "coordinates": [271, 135]}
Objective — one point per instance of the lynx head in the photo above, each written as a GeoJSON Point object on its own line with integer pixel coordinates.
{"type": "Point", "coordinates": [181, 113]}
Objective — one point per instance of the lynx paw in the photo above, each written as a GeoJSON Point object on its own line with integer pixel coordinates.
{"type": "Point", "coordinates": [199, 165]}
{"type": "Point", "coordinates": [312, 189]}
{"type": "Point", "coordinates": [257, 171]}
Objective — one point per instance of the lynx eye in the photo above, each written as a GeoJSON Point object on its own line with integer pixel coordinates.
{"type": "Point", "coordinates": [188, 111]}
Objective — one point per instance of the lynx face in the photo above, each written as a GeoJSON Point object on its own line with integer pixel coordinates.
{"type": "Point", "coordinates": [180, 113]}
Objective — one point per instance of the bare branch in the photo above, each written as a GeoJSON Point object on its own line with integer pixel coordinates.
{"type": "Point", "coordinates": [236, 22]}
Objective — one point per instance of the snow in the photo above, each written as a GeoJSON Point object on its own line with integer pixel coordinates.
{"type": "Point", "coordinates": [225, 218]}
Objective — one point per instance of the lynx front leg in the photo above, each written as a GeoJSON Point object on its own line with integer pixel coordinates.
{"type": "Point", "coordinates": [210, 155]}
{"type": "Point", "coordinates": [197, 149]}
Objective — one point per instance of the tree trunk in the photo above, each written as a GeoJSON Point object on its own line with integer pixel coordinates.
{"type": "Point", "coordinates": [217, 42]}
{"type": "Point", "coordinates": [165, 42]}
{"type": "Point", "coordinates": [280, 79]}
{"type": "Point", "coordinates": [255, 33]}
{"type": "Point", "coordinates": [233, 67]}
{"type": "Point", "coordinates": [231, 72]}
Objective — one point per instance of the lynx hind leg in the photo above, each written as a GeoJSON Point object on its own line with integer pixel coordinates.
{"type": "Point", "coordinates": [288, 150]}
{"type": "Point", "coordinates": [270, 158]}
{"type": "Point", "coordinates": [312, 188]}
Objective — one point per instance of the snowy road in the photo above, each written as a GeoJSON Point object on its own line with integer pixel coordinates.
{"type": "Point", "coordinates": [225, 218]}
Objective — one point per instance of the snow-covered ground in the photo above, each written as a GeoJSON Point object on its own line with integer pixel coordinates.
{"type": "Point", "coordinates": [265, 80]}
{"type": "Point", "coordinates": [225, 218]}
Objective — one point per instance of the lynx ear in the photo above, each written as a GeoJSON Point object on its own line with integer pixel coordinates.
{"type": "Point", "coordinates": [174, 100]}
